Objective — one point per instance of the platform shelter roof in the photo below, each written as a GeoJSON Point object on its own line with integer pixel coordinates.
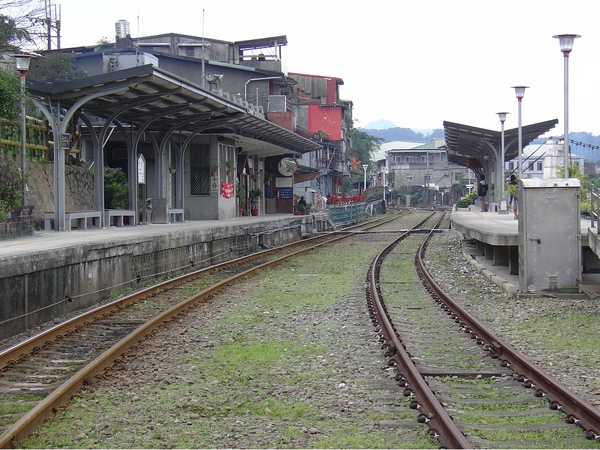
{"type": "Point", "coordinates": [146, 96]}
{"type": "Point", "coordinates": [465, 143]}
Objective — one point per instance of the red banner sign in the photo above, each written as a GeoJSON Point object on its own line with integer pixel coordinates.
{"type": "Point", "coordinates": [226, 189]}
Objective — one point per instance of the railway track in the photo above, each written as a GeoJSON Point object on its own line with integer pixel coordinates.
{"type": "Point", "coordinates": [44, 372]}
{"type": "Point", "coordinates": [450, 385]}
{"type": "Point", "coordinates": [472, 389]}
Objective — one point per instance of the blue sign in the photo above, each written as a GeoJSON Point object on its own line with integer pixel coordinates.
{"type": "Point", "coordinates": [286, 193]}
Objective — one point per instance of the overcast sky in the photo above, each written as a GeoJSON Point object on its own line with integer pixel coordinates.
{"type": "Point", "coordinates": [415, 63]}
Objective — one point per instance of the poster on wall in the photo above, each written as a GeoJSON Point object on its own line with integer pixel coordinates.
{"type": "Point", "coordinates": [214, 183]}
{"type": "Point", "coordinates": [226, 189]}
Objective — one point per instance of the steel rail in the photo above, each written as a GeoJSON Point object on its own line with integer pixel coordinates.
{"type": "Point", "coordinates": [433, 413]}
{"type": "Point", "coordinates": [577, 409]}
{"type": "Point", "coordinates": [62, 395]}
{"type": "Point", "coordinates": [8, 355]}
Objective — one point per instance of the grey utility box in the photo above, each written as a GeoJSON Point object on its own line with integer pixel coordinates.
{"type": "Point", "coordinates": [159, 210]}
{"type": "Point", "coordinates": [549, 234]}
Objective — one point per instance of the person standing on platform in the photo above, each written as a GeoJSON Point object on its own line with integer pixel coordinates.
{"type": "Point", "coordinates": [482, 189]}
{"type": "Point", "coordinates": [512, 188]}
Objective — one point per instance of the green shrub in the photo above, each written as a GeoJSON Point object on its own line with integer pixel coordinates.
{"type": "Point", "coordinates": [116, 191]}
{"type": "Point", "coordinates": [585, 208]}
{"type": "Point", "coordinates": [467, 200]}
{"type": "Point", "coordinates": [11, 186]}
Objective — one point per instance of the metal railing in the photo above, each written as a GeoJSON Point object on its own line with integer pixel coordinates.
{"type": "Point", "coordinates": [594, 207]}
{"type": "Point", "coordinates": [37, 136]}
{"type": "Point", "coordinates": [341, 214]}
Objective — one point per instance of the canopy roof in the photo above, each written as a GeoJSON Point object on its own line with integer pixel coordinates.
{"type": "Point", "coordinates": [465, 142]}
{"type": "Point", "coordinates": [146, 96]}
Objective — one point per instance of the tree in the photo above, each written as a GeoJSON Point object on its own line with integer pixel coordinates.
{"type": "Point", "coordinates": [10, 95]}
{"type": "Point", "coordinates": [11, 35]}
{"type": "Point", "coordinates": [22, 23]}
{"type": "Point", "coordinates": [54, 67]}
{"type": "Point", "coordinates": [363, 147]}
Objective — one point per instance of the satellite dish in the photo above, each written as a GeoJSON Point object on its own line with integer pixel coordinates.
{"type": "Point", "coordinates": [287, 166]}
{"type": "Point", "coordinates": [210, 77]}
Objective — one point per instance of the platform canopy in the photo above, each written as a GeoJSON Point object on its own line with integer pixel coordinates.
{"type": "Point", "coordinates": [149, 97]}
{"type": "Point", "coordinates": [466, 143]}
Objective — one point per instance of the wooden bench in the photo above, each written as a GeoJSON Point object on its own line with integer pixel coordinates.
{"type": "Point", "coordinates": [81, 217]}
{"type": "Point", "coordinates": [175, 215]}
{"type": "Point", "coordinates": [118, 215]}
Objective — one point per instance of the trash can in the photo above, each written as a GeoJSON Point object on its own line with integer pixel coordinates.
{"type": "Point", "coordinates": [159, 210]}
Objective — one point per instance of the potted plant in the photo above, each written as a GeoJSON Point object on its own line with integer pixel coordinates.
{"type": "Point", "coordinates": [255, 194]}
{"type": "Point", "coordinates": [302, 208]}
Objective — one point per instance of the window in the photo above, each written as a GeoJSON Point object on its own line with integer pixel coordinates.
{"type": "Point", "coordinates": [190, 51]}
{"type": "Point", "coordinates": [200, 169]}
{"type": "Point", "coordinates": [457, 176]}
{"type": "Point", "coordinates": [540, 165]}
{"type": "Point", "coordinates": [423, 159]}
{"type": "Point", "coordinates": [409, 177]}
{"type": "Point", "coordinates": [427, 179]}
{"type": "Point", "coordinates": [226, 162]}
{"type": "Point", "coordinates": [407, 159]}
{"type": "Point", "coordinates": [531, 166]}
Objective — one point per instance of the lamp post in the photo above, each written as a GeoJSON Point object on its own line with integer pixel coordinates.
{"type": "Point", "coordinates": [22, 62]}
{"type": "Point", "coordinates": [566, 45]}
{"type": "Point", "coordinates": [520, 92]}
{"type": "Point", "coordinates": [502, 117]}
{"type": "Point", "coordinates": [383, 180]}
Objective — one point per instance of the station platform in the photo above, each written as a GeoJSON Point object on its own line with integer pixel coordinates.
{"type": "Point", "coordinates": [52, 273]}
{"type": "Point", "coordinates": [47, 241]}
{"type": "Point", "coordinates": [501, 230]}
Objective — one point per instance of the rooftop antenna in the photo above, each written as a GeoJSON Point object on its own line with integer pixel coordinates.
{"type": "Point", "coordinates": [203, 69]}
{"type": "Point", "coordinates": [137, 47]}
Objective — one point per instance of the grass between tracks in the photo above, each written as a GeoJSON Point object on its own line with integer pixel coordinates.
{"type": "Point", "coordinates": [262, 367]}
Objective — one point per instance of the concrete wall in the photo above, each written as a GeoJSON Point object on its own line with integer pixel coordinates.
{"type": "Point", "coordinates": [46, 284]}
{"type": "Point", "coordinates": [79, 189]}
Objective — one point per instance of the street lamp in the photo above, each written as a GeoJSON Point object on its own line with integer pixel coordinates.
{"type": "Point", "coordinates": [365, 167]}
{"type": "Point", "coordinates": [502, 117]}
{"type": "Point", "coordinates": [566, 45]}
{"type": "Point", "coordinates": [520, 92]}
{"type": "Point", "coordinates": [22, 62]}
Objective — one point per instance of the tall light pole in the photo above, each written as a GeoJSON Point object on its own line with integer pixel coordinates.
{"type": "Point", "coordinates": [365, 167]}
{"type": "Point", "coordinates": [502, 117]}
{"type": "Point", "coordinates": [520, 92]}
{"type": "Point", "coordinates": [566, 45]}
{"type": "Point", "coordinates": [383, 180]}
{"type": "Point", "coordinates": [22, 62]}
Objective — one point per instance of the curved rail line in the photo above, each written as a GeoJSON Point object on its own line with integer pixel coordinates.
{"type": "Point", "coordinates": [441, 424]}
{"type": "Point", "coordinates": [130, 332]}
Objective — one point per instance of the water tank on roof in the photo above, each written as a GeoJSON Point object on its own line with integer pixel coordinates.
{"type": "Point", "coordinates": [122, 28]}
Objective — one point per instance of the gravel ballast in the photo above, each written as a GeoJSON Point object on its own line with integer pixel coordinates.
{"type": "Point", "coordinates": [288, 360]}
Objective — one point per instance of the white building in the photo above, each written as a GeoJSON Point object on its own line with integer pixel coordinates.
{"type": "Point", "coordinates": [542, 161]}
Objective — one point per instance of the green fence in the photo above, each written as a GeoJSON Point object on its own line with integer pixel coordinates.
{"type": "Point", "coordinates": [37, 141]}
{"type": "Point", "coordinates": [340, 214]}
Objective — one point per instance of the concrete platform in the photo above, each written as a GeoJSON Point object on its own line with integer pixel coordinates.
{"type": "Point", "coordinates": [495, 250]}
{"type": "Point", "coordinates": [52, 273]}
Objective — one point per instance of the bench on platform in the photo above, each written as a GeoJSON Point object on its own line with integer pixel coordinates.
{"type": "Point", "coordinates": [118, 215]}
{"type": "Point", "coordinates": [175, 215]}
{"type": "Point", "coordinates": [81, 217]}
